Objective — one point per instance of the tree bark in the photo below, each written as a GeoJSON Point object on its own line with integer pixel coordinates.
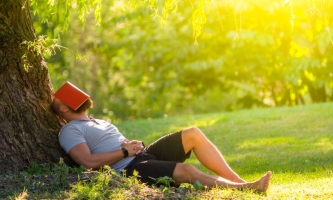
{"type": "Point", "coordinates": [28, 127]}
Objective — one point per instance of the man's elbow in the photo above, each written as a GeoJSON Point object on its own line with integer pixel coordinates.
{"type": "Point", "coordinates": [87, 164]}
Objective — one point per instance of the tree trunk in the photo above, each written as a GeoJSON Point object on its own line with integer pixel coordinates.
{"type": "Point", "coordinates": [28, 127]}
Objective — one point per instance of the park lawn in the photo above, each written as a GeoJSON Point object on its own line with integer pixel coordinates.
{"type": "Point", "coordinates": [295, 143]}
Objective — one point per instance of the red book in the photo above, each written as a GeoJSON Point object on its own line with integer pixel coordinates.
{"type": "Point", "coordinates": [71, 95]}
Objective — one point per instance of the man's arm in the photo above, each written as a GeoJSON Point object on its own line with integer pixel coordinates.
{"type": "Point", "coordinates": [81, 155]}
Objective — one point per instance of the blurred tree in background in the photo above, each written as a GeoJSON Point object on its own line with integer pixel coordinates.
{"type": "Point", "coordinates": [249, 54]}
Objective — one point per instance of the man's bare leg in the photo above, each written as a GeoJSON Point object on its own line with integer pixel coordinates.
{"type": "Point", "coordinates": [185, 173]}
{"type": "Point", "coordinates": [208, 154]}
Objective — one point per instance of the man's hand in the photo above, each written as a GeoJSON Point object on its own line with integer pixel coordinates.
{"type": "Point", "coordinates": [133, 147]}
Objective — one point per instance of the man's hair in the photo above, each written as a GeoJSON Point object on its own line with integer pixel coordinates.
{"type": "Point", "coordinates": [85, 106]}
{"type": "Point", "coordinates": [56, 107]}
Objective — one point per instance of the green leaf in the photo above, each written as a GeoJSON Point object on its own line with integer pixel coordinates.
{"type": "Point", "coordinates": [197, 185]}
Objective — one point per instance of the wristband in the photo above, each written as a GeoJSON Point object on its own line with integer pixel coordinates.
{"type": "Point", "coordinates": [125, 152]}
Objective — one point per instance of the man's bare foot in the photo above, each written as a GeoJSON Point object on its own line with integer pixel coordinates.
{"type": "Point", "coordinates": [261, 185]}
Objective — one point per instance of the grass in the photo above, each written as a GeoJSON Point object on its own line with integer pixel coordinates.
{"type": "Point", "coordinates": [295, 143]}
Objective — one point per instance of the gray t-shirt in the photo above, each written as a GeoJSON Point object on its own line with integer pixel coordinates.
{"type": "Point", "coordinates": [100, 136]}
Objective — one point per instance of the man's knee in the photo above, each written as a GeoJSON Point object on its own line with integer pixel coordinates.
{"type": "Point", "coordinates": [194, 129]}
{"type": "Point", "coordinates": [185, 173]}
{"type": "Point", "coordinates": [193, 133]}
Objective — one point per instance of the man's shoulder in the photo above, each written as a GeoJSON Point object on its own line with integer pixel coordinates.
{"type": "Point", "coordinates": [70, 127]}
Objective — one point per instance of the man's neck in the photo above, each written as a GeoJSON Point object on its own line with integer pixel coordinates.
{"type": "Point", "coordinates": [77, 116]}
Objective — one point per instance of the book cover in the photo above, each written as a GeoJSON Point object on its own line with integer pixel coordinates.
{"type": "Point", "coordinates": [71, 95]}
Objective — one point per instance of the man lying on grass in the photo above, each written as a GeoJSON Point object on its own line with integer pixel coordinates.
{"type": "Point", "coordinates": [94, 143]}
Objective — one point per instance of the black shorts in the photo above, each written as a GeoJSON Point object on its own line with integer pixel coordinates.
{"type": "Point", "coordinates": [159, 159]}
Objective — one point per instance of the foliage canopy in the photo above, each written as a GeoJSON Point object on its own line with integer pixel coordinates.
{"type": "Point", "coordinates": [143, 61]}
